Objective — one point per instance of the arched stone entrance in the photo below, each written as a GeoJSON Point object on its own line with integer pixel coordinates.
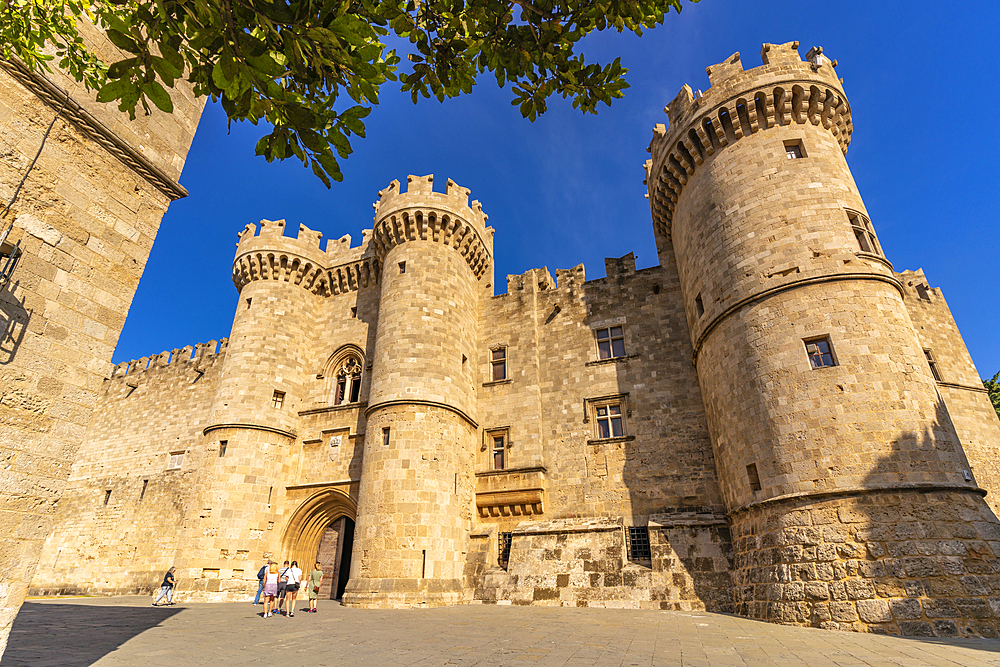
{"type": "Point", "coordinates": [327, 513]}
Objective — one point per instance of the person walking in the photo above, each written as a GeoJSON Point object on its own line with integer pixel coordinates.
{"type": "Point", "coordinates": [282, 584]}
{"type": "Point", "coordinates": [270, 589]}
{"type": "Point", "coordinates": [167, 587]}
{"type": "Point", "coordinates": [260, 582]}
{"type": "Point", "coordinates": [315, 579]}
{"type": "Point", "coordinates": [292, 588]}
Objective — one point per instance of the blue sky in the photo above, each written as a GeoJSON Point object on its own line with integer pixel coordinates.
{"type": "Point", "coordinates": [921, 77]}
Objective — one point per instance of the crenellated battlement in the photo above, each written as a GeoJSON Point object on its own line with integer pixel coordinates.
{"type": "Point", "coordinates": [785, 90]}
{"type": "Point", "coordinates": [198, 356]}
{"type": "Point", "coordinates": [422, 214]}
{"type": "Point", "coordinates": [270, 255]}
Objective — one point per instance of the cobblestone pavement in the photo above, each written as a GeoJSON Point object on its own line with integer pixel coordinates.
{"type": "Point", "coordinates": [112, 632]}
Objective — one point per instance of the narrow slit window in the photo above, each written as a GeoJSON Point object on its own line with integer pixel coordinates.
{"type": "Point", "coordinates": [270, 492]}
{"type": "Point", "coordinates": [933, 365]}
{"type": "Point", "coordinates": [503, 548]}
{"type": "Point", "coordinates": [385, 436]}
{"type": "Point", "coordinates": [699, 305]}
{"type": "Point", "coordinates": [107, 496]}
{"type": "Point", "coordinates": [222, 448]}
{"type": "Point", "coordinates": [249, 301]}
{"type": "Point", "coordinates": [820, 352]}
{"type": "Point", "coordinates": [354, 313]}
{"type": "Point", "coordinates": [142, 493]}
{"type": "Point", "coordinates": [277, 399]}
{"type": "Point", "coordinates": [609, 421]}
{"type": "Point", "coordinates": [498, 364]}
{"type": "Point", "coordinates": [611, 342]}
{"type": "Point", "coordinates": [753, 477]}
{"type": "Point", "coordinates": [402, 267]}
{"type": "Point", "coordinates": [499, 451]}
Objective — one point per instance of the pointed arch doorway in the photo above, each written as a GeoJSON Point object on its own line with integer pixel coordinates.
{"type": "Point", "coordinates": [322, 530]}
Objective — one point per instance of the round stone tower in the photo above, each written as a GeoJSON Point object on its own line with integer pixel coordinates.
{"type": "Point", "coordinates": [415, 504]}
{"type": "Point", "coordinates": [282, 282]}
{"type": "Point", "coordinates": [848, 492]}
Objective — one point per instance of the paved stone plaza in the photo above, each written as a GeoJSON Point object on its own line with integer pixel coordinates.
{"type": "Point", "coordinates": [127, 631]}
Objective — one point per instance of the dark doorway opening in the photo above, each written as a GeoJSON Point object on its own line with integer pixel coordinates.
{"type": "Point", "coordinates": [345, 559]}
{"type": "Point", "coordinates": [334, 554]}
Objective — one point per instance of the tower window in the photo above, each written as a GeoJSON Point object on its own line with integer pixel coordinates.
{"type": "Point", "coordinates": [385, 436]}
{"type": "Point", "coordinates": [107, 496]}
{"type": "Point", "coordinates": [923, 292]}
{"type": "Point", "coordinates": [753, 477]}
{"type": "Point", "coordinates": [638, 543]}
{"type": "Point", "coordinates": [699, 305]}
{"type": "Point", "coordinates": [354, 313]}
{"type": "Point", "coordinates": [277, 399]}
{"type": "Point", "coordinates": [864, 233]}
{"type": "Point", "coordinates": [794, 149]}
{"type": "Point", "coordinates": [610, 342]}
{"type": "Point", "coordinates": [820, 352]}
{"type": "Point", "coordinates": [348, 388]}
{"type": "Point", "coordinates": [402, 267]}
{"type": "Point", "coordinates": [249, 301]}
{"type": "Point", "coordinates": [498, 364]}
{"type": "Point", "coordinates": [499, 442]}
{"type": "Point", "coordinates": [933, 365]}
{"type": "Point", "coordinates": [222, 448]}
{"type": "Point", "coordinates": [610, 422]}
{"type": "Point", "coordinates": [175, 460]}
{"type": "Point", "coordinates": [142, 493]}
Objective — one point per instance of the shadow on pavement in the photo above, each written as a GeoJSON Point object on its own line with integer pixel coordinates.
{"type": "Point", "coordinates": [75, 635]}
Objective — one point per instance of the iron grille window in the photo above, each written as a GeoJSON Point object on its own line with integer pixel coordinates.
{"type": "Point", "coordinates": [638, 543]}
{"type": "Point", "coordinates": [503, 548]}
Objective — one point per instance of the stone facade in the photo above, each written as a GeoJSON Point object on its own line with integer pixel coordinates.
{"type": "Point", "coordinates": [555, 444]}
{"type": "Point", "coordinates": [84, 222]}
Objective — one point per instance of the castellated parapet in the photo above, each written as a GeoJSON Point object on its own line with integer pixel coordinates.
{"type": "Point", "coordinates": [771, 421]}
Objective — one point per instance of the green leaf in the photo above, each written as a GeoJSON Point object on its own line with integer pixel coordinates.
{"type": "Point", "coordinates": [123, 41]}
{"type": "Point", "coordinates": [159, 96]}
{"type": "Point", "coordinates": [113, 90]}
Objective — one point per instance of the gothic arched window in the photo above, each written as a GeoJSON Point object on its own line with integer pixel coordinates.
{"type": "Point", "coordinates": [348, 387]}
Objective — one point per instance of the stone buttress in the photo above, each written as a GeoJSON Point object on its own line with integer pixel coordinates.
{"type": "Point", "coordinates": [415, 505]}
{"type": "Point", "coordinates": [848, 491]}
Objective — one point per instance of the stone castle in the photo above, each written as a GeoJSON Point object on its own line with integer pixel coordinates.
{"type": "Point", "coordinates": [771, 422]}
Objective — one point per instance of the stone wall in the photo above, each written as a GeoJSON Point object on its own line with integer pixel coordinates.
{"type": "Point", "coordinates": [960, 387]}
{"type": "Point", "coordinates": [897, 562]}
{"type": "Point", "coordinates": [85, 218]}
{"type": "Point", "coordinates": [121, 543]}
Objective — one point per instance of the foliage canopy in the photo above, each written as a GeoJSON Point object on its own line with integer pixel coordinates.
{"type": "Point", "coordinates": [288, 62]}
{"type": "Point", "coordinates": [993, 387]}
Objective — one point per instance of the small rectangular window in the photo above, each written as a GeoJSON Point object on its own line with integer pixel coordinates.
{"type": "Point", "coordinates": [753, 477]}
{"type": "Point", "coordinates": [142, 494]}
{"type": "Point", "coordinates": [278, 400]}
{"type": "Point", "coordinates": [933, 365]}
{"type": "Point", "coordinates": [498, 364]}
{"type": "Point", "coordinates": [820, 352]}
{"type": "Point", "coordinates": [107, 496]}
{"type": "Point", "coordinates": [611, 342]}
{"type": "Point", "coordinates": [175, 461]}
{"type": "Point", "coordinates": [923, 292]}
{"type": "Point", "coordinates": [794, 150]}
{"type": "Point", "coordinates": [385, 436]}
{"type": "Point", "coordinates": [222, 448]}
{"type": "Point", "coordinates": [638, 543]}
{"type": "Point", "coordinates": [610, 423]}
{"type": "Point", "coordinates": [402, 267]}
{"type": "Point", "coordinates": [699, 304]}
{"type": "Point", "coordinates": [354, 313]}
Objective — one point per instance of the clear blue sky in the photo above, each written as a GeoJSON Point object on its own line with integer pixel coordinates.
{"type": "Point", "coordinates": [921, 77]}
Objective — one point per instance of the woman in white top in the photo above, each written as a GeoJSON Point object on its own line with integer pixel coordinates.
{"type": "Point", "coordinates": [292, 588]}
{"type": "Point", "coordinates": [270, 588]}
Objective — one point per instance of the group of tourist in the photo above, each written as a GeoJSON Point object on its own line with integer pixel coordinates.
{"type": "Point", "coordinates": [280, 588]}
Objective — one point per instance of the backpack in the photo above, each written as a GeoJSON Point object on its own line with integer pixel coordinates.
{"type": "Point", "coordinates": [262, 573]}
